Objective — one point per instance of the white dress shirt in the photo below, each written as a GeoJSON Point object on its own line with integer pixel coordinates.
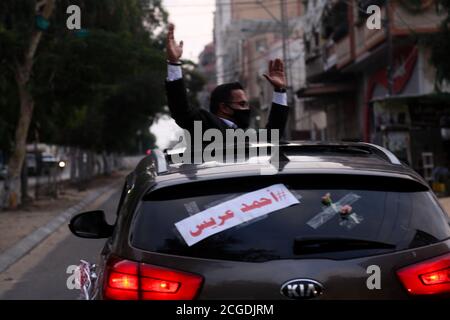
{"type": "Point", "coordinates": [175, 72]}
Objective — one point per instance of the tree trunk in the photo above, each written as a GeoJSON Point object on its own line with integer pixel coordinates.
{"type": "Point", "coordinates": [12, 191]}
{"type": "Point", "coordinates": [98, 164]}
{"type": "Point", "coordinates": [80, 170]}
{"type": "Point", "coordinates": [73, 164]}
{"type": "Point", "coordinates": [24, 183]}
{"type": "Point", "coordinates": [90, 165]}
{"type": "Point", "coordinates": [106, 164]}
{"type": "Point", "coordinates": [82, 160]}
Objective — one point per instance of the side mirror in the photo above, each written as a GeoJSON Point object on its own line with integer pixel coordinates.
{"type": "Point", "coordinates": [91, 224]}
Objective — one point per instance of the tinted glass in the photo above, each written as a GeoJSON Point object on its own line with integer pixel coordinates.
{"type": "Point", "coordinates": [393, 211]}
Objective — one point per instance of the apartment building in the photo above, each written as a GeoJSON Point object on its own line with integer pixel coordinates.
{"type": "Point", "coordinates": [247, 34]}
{"type": "Point", "coordinates": [207, 67]}
{"type": "Point", "coordinates": [375, 84]}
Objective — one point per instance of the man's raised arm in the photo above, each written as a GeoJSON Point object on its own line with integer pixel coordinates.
{"type": "Point", "coordinates": [177, 101]}
{"type": "Point", "coordinates": [279, 111]}
{"type": "Point", "coordinates": [174, 53]}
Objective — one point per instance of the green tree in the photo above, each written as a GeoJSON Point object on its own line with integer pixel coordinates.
{"type": "Point", "coordinates": [71, 82]}
{"type": "Point", "coordinates": [195, 82]}
{"type": "Point", "coordinates": [20, 51]}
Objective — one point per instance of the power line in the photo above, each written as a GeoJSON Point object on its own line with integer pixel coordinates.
{"type": "Point", "coordinates": [413, 32]}
{"type": "Point", "coordinates": [255, 3]}
{"type": "Point", "coordinates": [228, 3]}
{"type": "Point", "coordinates": [209, 12]}
{"type": "Point", "coordinates": [237, 69]}
{"type": "Point", "coordinates": [283, 14]}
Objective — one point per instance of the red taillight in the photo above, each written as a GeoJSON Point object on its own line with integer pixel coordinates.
{"type": "Point", "coordinates": [165, 284]}
{"type": "Point", "coordinates": [129, 280]}
{"type": "Point", "coordinates": [428, 277]}
{"type": "Point", "coordinates": [123, 281]}
{"type": "Point", "coordinates": [157, 285]}
{"type": "Point", "coordinates": [437, 277]}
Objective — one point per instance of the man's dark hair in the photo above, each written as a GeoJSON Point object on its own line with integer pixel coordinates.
{"type": "Point", "coordinates": [222, 93]}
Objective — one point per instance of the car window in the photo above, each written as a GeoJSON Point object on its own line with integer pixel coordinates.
{"type": "Point", "coordinates": [394, 212]}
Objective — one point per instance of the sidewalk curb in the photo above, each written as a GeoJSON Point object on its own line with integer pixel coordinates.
{"type": "Point", "coordinates": [25, 245]}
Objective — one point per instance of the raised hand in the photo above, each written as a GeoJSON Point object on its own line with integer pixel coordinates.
{"type": "Point", "coordinates": [174, 50]}
{"type": "Point", "coordinates": [276, 74]}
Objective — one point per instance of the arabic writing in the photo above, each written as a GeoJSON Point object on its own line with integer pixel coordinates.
{"type": "Point", "coordinates": [212, 223]}
{"type": "Point", "coordinates": [256, 204]}
{"type": "Point", "coordinates": [233, 212]}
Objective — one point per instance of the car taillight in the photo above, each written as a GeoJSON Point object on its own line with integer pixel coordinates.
{"type": "Point", "coordinates": [123, 281]}
{"type": "Point", "coordinates": [130, 280]}
{"type": "Point", "coordinates": [429, 277]}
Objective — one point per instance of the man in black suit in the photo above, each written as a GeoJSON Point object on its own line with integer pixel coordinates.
{"type": "Point", "coordinates": [229, 107]}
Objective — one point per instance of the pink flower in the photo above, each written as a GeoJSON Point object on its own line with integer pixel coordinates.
{"type": "Point", "coordinates": [345, 210]}
{"type": "Point", "coordinates": [326, 199]}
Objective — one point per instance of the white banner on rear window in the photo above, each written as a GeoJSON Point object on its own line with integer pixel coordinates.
{"type": "Point", "coordinates": [231, 213]}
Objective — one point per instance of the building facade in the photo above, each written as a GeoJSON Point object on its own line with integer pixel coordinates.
{"type": "Point", "coordinates": [247, 35]}
{"type": "Point", "coordinates": [376, 84]}
{"type": "Point", "coordinates": [207, 68]}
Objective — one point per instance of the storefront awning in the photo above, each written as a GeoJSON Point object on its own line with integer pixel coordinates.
{"type": "Point", "coordinates": [441, 97]}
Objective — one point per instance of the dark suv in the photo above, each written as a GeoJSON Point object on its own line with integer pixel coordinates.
{"type": "Point", "coordinates": [356, 224]}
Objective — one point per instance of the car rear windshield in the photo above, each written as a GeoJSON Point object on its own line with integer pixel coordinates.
{"type": "Point", "coordinates": [384, 215]}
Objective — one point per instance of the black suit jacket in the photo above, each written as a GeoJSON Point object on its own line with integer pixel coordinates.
{"type": "Point", "coordinates": [185, 115]}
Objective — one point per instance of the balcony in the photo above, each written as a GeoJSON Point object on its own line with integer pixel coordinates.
{"type": "Point", "coordinates": [343, 52]}
{"type": "Point", "coordinates": [314, 67]}
{"type": "Point", "coordinates": [366, 39]}
{"type": "Point", "coordinates": [357, 42]}
{"type": "Point", "coordinates": [424, 19]}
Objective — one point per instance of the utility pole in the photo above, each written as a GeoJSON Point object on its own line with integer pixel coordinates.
{"type": "Point", "coordinates": [390, 51]}
{"type": "Point", "coordinates": [287, 64]}
{"type": "Point", "coordinates": [284, 34]}
{"type": "Point", "coordinates": [283, 23]}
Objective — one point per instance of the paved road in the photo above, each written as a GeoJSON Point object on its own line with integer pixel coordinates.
{"type": "Point", "coordinates": [46, 279]}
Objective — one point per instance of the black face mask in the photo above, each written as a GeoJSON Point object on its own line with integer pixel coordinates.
{"type": "Point", "coordinates": [241, 117]}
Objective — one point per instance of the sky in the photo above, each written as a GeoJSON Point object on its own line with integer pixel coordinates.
{"type": "Point", "coordinates": [193, 21]}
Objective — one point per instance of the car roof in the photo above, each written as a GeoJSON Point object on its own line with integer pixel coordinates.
{"type": "Point", "coordinates": [353, 158]}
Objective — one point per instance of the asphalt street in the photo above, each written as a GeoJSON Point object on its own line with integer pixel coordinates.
{"type": "Point", "coordinates": [47, 278]}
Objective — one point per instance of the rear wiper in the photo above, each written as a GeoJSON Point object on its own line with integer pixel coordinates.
{"type": "Point", "coordinates": [305, 245]}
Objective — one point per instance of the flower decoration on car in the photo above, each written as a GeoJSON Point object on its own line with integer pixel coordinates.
{"type": "Point", "coordinates": [345, 211]}
{"type": "Point", "coordinates": [326, 199]}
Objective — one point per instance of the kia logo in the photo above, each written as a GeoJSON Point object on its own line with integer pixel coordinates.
{"type": "Point", "coordinates": [301, 289]}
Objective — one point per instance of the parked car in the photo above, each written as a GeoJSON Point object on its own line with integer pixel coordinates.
{"type": "Point", "coordinates": [43, 162]}
{"type": "Point", "coordinates": [49, 161]}
{"type": "Point", "coordinates": [318, 228]}
{"type": "Point", "coordinates": [32, 164]}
